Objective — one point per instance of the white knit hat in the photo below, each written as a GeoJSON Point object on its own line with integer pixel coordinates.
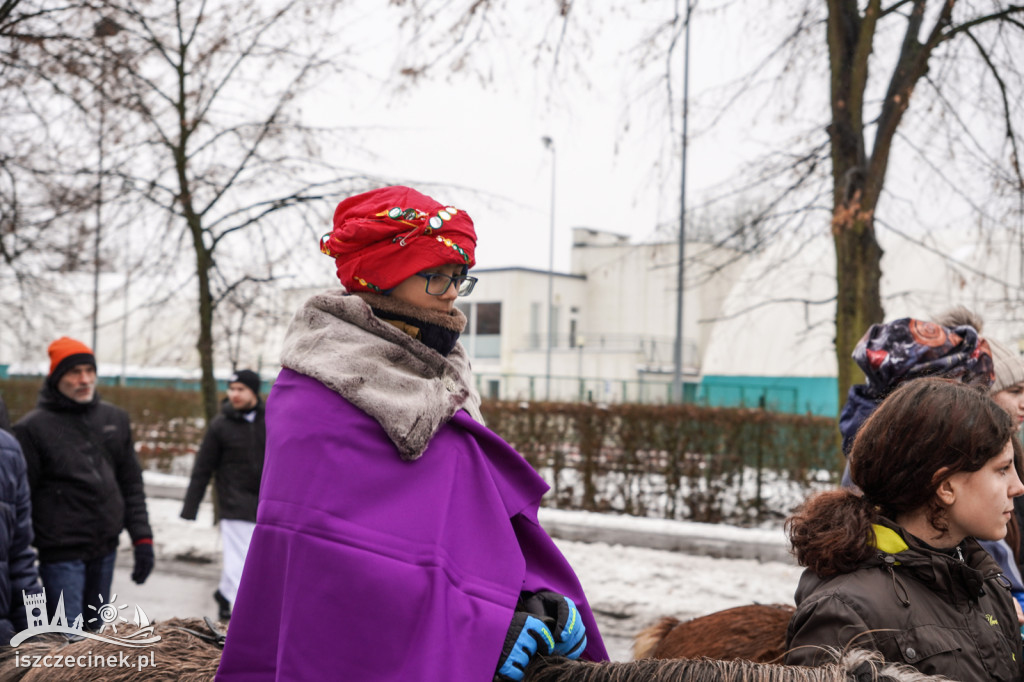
{"type": "Point", "coordinates": [1008, 365]}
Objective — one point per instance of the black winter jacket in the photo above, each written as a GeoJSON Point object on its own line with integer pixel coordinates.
{"type": "Point", "coordinates": [5, 417]}
{"type": "Point", "coordinates": [232, 451]}
{"type": "Point", "coordinates": [17, 558]}
{"type": "Point", "coordinates": [914, 605]}
{"type": "Point", "coordinates": [85, 479]}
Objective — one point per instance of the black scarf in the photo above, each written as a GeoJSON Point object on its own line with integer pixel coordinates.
{"type": "Point", "coordinates": [436, 330]}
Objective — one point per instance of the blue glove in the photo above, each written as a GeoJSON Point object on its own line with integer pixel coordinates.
{"type": "Point", "coordinates": [562, 617]}
{"type": "Point", "coordinates": [526, 636]}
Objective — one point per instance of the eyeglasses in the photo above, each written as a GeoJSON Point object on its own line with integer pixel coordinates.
{"type": "Point", "coordinates": [438, 283]}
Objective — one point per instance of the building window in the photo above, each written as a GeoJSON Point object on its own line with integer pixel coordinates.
{"type": "Point", "coordinates": [493, 389]}
{"type": "Point", "coordinates": [553, 330]}
{"type": "Point", "coordinates": [536, 312]}
{"type": "Point", "coordinates": [483, 329]}
{"type": "Point", "coordinates": [487, 330]}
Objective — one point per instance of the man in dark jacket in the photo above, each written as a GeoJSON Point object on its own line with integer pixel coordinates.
{"type": "Point", "coordinates": [18, 575]}
{"type": "Point", "coordinates": [86, 485]}
{"type": "Point", "coordinates": [232, 451]}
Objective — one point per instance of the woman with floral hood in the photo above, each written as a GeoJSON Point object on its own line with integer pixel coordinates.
{"type": "Point", "coordinates": [396, 537]}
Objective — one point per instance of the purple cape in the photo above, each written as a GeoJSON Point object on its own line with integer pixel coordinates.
{"type": "Point", "coordinates": [366, 567]}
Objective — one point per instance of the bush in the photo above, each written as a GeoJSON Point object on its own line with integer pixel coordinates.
{"type": "Point", "coordinates": [676, 461]}
{"type": "Point", "coordinates": [165, 423]}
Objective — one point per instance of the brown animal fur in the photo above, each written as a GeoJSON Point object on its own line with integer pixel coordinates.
{"type": "Point", "coordinates": [849, 668]}
{"type": "Point", "coordinates": [753, 632]}
{"type": "Point", "coordinates": [179, 656]}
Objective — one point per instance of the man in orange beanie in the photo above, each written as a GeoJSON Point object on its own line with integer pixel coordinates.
{"type": "Point", "coordinates": [86, 485]}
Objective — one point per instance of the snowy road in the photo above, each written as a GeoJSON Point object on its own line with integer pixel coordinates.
{"type": "Point", "coordinates": [628, 587]}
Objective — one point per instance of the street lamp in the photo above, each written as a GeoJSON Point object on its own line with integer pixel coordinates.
{"type": "Point", "coordinates": [102, 29]}
{"type": "Point", "coordinates": [677, 377]}
{"type": "Point", "coordinates": [550, 144]}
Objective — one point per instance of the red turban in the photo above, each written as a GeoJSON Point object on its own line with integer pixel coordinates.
{"type": "Point", "coordinates": [384, 236]}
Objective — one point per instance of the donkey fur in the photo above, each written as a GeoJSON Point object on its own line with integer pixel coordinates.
{"type": "Point", "coordinates": [753, 632]}
{"type": "Point", "coordinates": [179, 656]}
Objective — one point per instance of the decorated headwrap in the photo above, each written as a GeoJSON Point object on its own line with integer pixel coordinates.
{"type": "Point", "coordinates": [384, 236]}
{"type": "Point", "coordinates": [908, 348]}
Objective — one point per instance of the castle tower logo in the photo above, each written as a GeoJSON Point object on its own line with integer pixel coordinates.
{"type": "Point", "coordinates": [108, 615]}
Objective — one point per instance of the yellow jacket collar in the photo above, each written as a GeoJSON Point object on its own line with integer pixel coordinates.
{"type": "Point", "coordinates": [888, 540]}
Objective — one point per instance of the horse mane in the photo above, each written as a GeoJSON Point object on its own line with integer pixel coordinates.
{"type": "Point", "coordinates": [849, 667]}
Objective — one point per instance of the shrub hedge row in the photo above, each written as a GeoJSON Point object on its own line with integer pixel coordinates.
{"type": "Point", "coordinates": [677, 461]}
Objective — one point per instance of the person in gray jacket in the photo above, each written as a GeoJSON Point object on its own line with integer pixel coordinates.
{"type": "Point", "coordinates": [232, 453]}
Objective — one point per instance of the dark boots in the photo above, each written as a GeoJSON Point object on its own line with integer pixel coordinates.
{"type": "Point", "coordinates": [223, 606]}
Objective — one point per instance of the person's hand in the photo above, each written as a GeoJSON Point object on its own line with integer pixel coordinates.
{"type": "Point", "coordinates": [562, 617]}
{"type": "Point", "coordinates": [144, 560]}
{"type": "Point", "coordinates": [526, 636]}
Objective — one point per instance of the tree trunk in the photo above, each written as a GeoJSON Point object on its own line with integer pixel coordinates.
{"type": "Point", "coordinates": [204, 263]}
{"type": "Point", "coordinates": [856, 183]}
{"type": "Point", "coordinates": [205, 343]}
{"type": "Point", "coordinates": [858, 299]}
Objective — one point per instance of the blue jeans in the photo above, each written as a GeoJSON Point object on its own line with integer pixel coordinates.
{"type": "Point", "coordinates": [84, 584]}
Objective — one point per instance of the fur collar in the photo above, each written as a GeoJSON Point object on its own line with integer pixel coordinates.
{"type": "Point", "coordinates": [408, 388]}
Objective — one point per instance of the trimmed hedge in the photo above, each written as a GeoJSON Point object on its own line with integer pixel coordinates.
{"type": "Point", "coordinates": [165, 423]}
{"type": "Point", "coordinates": [675, 461]}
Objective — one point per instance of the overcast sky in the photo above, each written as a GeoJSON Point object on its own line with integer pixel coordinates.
{"type": "Point", "coordinates": [614, 166]}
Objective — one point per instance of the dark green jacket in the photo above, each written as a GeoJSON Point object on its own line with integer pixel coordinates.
{"type": "Point", "coordinates": [916, 606]}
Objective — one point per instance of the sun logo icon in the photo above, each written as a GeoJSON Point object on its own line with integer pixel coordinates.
{"type": "Point", "coordinates": [108, 614]}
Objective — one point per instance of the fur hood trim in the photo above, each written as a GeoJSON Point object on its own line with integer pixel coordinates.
{"type": "Point", "coordinates": [409, 389]}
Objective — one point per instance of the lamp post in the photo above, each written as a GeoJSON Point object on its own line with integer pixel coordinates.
{"type": "Point", "coordinates": [102, 29]}
{"type": "Point", "coordinates": [677, 377]}
{"type": "Point", "coordinates": [550, 144]}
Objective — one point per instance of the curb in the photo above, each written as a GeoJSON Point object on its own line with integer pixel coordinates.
{"type": "Point", "coordinates": [719, 542]}
{"type": "Point", "coordinates": [671, 541]}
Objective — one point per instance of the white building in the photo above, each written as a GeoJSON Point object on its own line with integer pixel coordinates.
{"type": "Point", "coordinates": [612, 328]}
{"type": "Point", "coordinates": [758, 329]}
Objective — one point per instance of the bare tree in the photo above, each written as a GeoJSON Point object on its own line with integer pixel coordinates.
{"type": "Point", "coordinates": [45, 192]}
{"type": "Point", "coordinates": [863, 129]}
{"type": "Point", "coordinates": [202, 104]}
{"type": "Point", "coordinates": [953, 63]}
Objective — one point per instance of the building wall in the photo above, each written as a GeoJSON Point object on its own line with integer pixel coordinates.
{"type": "Point", "coordinates": [615, 324]}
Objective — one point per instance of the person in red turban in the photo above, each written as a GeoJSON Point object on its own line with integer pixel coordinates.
{"type": "Point", "coordinates": [396, 535]}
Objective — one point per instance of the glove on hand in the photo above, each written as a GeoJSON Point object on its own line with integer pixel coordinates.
{"type": "Point", "coordinates": [562, 617]}
{"type": "Point", "coordinates": [144, 560]}
{"type": "Point", "coordinates": [526, 636]}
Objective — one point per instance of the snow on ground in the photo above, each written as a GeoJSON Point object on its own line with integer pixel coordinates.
{"type": "Point", "coordinates": [629, 587]}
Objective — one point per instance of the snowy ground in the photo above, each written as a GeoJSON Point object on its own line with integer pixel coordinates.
{"type": "Point", "coordinates": [628, 586]}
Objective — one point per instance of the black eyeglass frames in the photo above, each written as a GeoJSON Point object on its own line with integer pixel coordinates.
{"type": "Point", "coordinates": [438, 283]}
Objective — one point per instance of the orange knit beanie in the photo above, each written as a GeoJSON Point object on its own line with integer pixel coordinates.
{"type": "Point", "coordinates": [66, 352]}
